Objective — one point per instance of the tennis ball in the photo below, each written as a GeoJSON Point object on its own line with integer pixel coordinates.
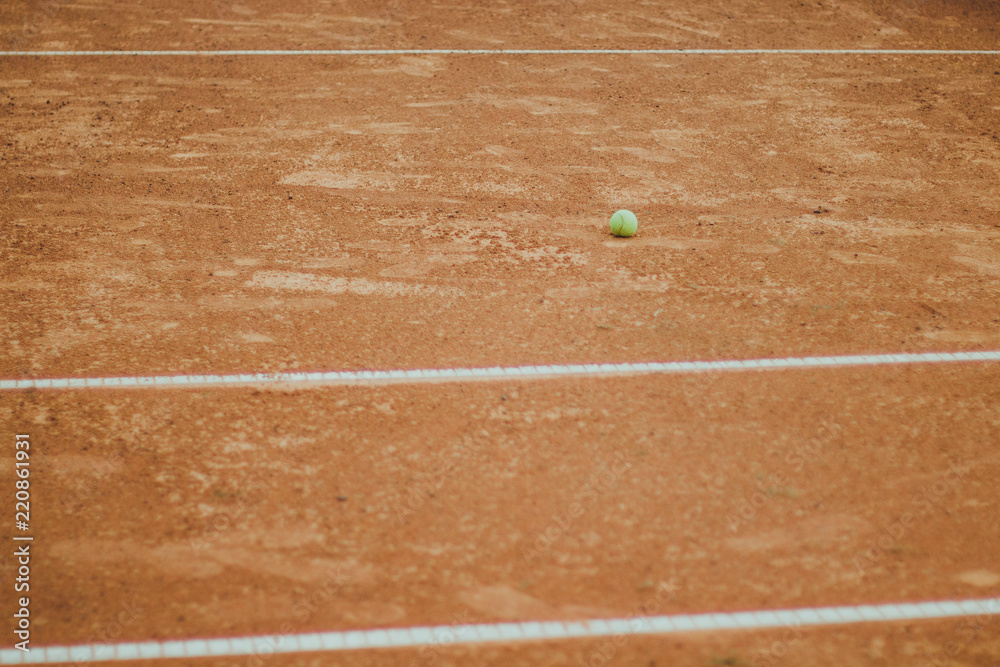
{"type": "Point", "coordinates": [623, 223]}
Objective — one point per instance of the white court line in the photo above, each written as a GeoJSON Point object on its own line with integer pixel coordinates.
{"type": "Point", "coordinates": [512, 52]}
{"type": "Point", "coordinates": [352, 640]}
{"type": "Point", "coordinates": [497, 372]}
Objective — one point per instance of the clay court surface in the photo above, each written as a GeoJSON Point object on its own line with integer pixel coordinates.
{"type": "Point", "coordinates": [213, 214]}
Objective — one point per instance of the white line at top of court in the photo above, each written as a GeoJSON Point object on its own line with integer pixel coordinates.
{"type": "Point", "coordinates": [547, 371]}
{"type": "Point", "coordinates": [511, 52]}
{"type": "Point", "coordinates": [403, 638]}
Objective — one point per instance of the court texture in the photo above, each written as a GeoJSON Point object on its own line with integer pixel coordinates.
{"type": "Point", "coordinates": [327, 356]}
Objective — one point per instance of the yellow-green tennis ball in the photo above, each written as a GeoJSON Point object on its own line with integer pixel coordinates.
{"type": "Point", "coordinates": [623, 223]}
